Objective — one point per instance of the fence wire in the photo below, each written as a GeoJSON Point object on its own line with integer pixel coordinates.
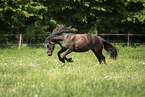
{"type": "Point", "coordinates": [39, 39]}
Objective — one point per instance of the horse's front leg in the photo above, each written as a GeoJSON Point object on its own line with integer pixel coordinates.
{"type": "Point", "coordinates": [65, 54]}
{"type": "Point", "coordinates": [61, 59]}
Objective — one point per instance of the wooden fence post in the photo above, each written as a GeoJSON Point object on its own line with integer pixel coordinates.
{"type": "Point", "coordinates": [20, 41]}
{"type": "Point", "coordinates": [128, 40]}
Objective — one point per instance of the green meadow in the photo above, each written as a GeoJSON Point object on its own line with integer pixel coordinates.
{"type": "Point", "coordinates": [29, 72]}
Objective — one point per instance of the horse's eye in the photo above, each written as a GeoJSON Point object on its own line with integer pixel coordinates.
{"type": "Point", "coordinates": [46, 41]}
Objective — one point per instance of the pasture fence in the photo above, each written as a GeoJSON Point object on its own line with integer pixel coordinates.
{"type": "Point", "coordinates": [126, 39]}
{"type": "Point", "coordinates": [128, 42]}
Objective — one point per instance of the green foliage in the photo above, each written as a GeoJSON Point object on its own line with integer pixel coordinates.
{"type": "Point", "coordinates": [33, 33]}
{"type": "Point", "coordinates": [18, 13]}
{"type": "Point", "coordinates": [88, 16]}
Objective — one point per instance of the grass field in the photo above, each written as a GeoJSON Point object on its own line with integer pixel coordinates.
{"type": "Point", "coordinates": [29, 72]}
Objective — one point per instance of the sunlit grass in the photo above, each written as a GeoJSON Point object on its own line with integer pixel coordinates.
{"type": "Point", "coordinates": [30, 72]}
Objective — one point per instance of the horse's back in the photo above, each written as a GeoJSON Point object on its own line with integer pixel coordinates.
{"type": "Point", "coordinates": [89, 38]}
{"type": "Point", "coordinates": [82, 42]}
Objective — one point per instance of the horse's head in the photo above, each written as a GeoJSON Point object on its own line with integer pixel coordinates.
{"type": "Point", "coordinates": [49, 46]}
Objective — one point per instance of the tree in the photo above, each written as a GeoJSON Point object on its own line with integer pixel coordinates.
{"type": "Point", "coordinates": [88, 16]}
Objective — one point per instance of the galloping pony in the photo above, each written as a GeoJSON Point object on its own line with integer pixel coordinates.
{"type": "Point", "coordinates": [72, 42]}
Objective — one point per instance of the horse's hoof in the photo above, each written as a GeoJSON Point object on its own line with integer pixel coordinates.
{"type": "Point", "coordinates": [70, 60]}
{"type": "Point", "coordinates": [62, 60]}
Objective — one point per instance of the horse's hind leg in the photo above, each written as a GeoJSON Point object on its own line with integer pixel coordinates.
{"type": "Point", "coordinates": [100, 56]}
{"type": "Point", "coordinates": [65, 54]}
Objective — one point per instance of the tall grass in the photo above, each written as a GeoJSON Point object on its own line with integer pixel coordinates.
{"type": "Point", "coordinates": [29, 72]}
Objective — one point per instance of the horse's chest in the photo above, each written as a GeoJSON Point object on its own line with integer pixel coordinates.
{"type": "Point", "coordinates": [66, 43]}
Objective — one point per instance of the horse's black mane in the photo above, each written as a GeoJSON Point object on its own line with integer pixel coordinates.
{"type": "Point", "coordinates": [62, 30]}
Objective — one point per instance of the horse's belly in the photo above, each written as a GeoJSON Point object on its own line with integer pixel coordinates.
{"type": "Point", "coordinates": [81, 48]}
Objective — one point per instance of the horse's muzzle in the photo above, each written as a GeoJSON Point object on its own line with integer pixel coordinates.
{"type": "Point", "coordinates": [49, 52]}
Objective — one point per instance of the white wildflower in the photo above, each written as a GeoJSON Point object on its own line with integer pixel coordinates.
{"type": "Point", "coordinates": [36, 95]}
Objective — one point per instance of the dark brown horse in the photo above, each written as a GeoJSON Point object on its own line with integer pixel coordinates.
{"type": "Point", "coordinates": [69, 41]}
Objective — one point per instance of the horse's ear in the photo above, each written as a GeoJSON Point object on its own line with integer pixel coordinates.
{"type": "Point", "coordinates": [48, 37]}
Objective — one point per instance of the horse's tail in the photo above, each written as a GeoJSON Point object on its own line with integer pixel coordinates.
{"type": "Point", "coordinates": [110, 49]}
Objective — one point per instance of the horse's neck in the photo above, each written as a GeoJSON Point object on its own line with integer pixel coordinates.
{"type": "Point", "coordinates": [57, 39]}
